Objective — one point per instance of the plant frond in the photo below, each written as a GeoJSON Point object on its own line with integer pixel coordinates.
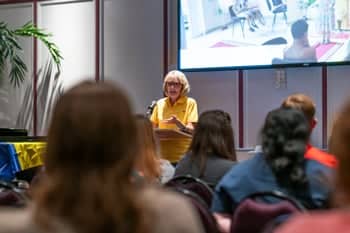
{"type": "Point", "coordinates": [30, 30]}
{"type": "Point", "coordinates": [10, 50]}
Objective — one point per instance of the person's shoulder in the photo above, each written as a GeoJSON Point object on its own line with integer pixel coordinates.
{"type": "Point", "coordinates": [321, 222]}
{"type": "Point", "coordinates": [191, 100]}
{"type": "Point", "coordinates": [162, 100]}
{"type": "Point", "coordinates": [16, 220]}
{"type": "Point", "coordinates": [171, 211]}
{"type": "Point", "coordinates": [239, 170]}
{"type": "Point", "coordinates": [221, 162]}
{"type": "Point", "coordinates": [161, 196]}
{"type": "Point", "coordinates": [317, 156]}
{"type": "Point", "coordinates": [309, 53]}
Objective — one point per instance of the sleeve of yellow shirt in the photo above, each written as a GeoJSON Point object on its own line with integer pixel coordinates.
{"type": "Point", "coordinates": [154, 116]}
{"type": "Point", "coordinates": [192, 111]}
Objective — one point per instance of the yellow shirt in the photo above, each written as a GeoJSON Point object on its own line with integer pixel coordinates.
{"type": "Point", "coordinates": [185, 109]}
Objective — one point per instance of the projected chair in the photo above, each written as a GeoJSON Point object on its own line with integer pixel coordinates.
{"type": "Point", "coordinates": [275, 41]}
{"type": "Point", "coordinates": [236, 19]}
{"type": "Point", "coordinates": [277, 7]}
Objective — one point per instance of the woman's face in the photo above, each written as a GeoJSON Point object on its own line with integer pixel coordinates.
{"type": "Point", "coordinates": [173, 88]}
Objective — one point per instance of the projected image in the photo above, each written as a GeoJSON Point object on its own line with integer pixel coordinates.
{"type": "Point", "coordinates": [250, 33]}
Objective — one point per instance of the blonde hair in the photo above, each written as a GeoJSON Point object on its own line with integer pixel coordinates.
{"type": "Point", "coordinates": [148, 162]}
{"type": "Point", "coordinates": [182, 79]}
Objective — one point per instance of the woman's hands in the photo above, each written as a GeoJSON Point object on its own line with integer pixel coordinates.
{"type": "Point", "coordinates": [185, 128]}
{"type": "Point", "coordinates": [174, 120]}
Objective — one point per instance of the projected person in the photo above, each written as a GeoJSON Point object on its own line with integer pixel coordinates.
{"type": "Point", "coordinates": [300, 50]}
{"type": "Point", "coordinates": [341, 14]}
{"type": "Point", "coordinates": [175, 111]}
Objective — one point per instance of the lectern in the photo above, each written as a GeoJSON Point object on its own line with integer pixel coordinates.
{"type": "Point", "coordinates": [170, 134]}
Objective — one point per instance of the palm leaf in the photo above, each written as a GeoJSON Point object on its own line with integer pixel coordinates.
{"type": "Point", "coordinates": [10, 50]}
{"type": "Point", "coordinates": [30, 30]}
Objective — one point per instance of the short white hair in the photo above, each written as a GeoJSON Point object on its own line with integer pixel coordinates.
{"type": "Point", "coordinates": [182, 79]}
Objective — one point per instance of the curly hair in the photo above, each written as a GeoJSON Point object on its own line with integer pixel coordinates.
{"type": "Point", "coordinates": [284, 137]}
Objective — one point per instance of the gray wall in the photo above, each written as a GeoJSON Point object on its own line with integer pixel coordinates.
{"type": "Point", "coordinates": [132, 55]}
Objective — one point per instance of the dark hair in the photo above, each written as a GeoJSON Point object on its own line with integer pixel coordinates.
{"type": "Point", "coordinates": [299, 28]}
{"type": "Point", "coordinates": [284, 137]}
{"type": "Point", "coordinates": [89, 161]}
{"type": "Point", "coordinates": [213, 134]}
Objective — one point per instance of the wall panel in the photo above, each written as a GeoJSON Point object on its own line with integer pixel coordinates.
{"type": "Point", "coordinates": [132, 48]}
{"type": "Point", "coordinates": [11, 98]}
{"type": "Point", "coordinates": [262, 94]}
{"type": "Point", "coordinates": [338, 91]}
{"type": "Point", "coordinates": [72, 24]}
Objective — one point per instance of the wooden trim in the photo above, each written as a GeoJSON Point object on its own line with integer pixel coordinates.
{"type": "Point", "coordinates": [165, 37]}
{"type": "Point", "coordinates": [35, 70]}
{"type": "Point", "coordinates": [16, 1]}
{"type": "Point", "coordinates": [324, 106]}
{"type": "Point", "coordinates": [240, 109]}
{"type": "Point", "coordinates": [97, 40]}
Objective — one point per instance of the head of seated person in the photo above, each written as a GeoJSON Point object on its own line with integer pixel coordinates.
{"type": "Point", "coordinates": [89, 163]}
{"type": "Point", "coordinates": [337, 218]}
{"type": "Point", "coordinates": [148, 163]}
{"type": "Point", "coordinates": [300, 50]}
{"type": "Point", "coordinates": [212, 149]}
{"type": "Point", "coordinates": [284, 137]}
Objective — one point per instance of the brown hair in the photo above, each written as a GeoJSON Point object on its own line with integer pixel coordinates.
{"type": "Point", "coordinates": [148, 162]}
{"type": "Point", "coordinates": [213, 135]}
{"type": "Point", "coordinates": [89, 161]}
{"type": "Point", "coordinates": [301, 102]}
{"type": "Point", "coordinates": [339, 146]}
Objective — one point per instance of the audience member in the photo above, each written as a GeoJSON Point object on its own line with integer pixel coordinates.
{"type": "Point", "coordinates": [89, 162]}
{"type": "Point", "coordinates": [149, 164]}
{"type": "Point", "coordinates": [300, 50]}
{"type": "Point", "coordinates": [175, 111]}
{"type": "Point", "coordinates": [307, 106]}
{"type": "Point", "coordinates": [212, 151]}
{"type": "Point", "coordinates": [281, 167]}
{"type": "Point", "coordinates": [336, 220]}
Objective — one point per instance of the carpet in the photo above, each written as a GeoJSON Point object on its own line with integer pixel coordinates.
{"type": "Point", "coordinates": [322, 49]}
{"type": "Point", "coordinates": [340, 35]}
{"type": "Point", "coordinates": [222, 44]}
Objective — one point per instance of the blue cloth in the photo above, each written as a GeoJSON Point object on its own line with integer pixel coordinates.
{"type": "Point", "coordinates": [255, 175]}
{"type": "Point", "coordinates": [9, 164]}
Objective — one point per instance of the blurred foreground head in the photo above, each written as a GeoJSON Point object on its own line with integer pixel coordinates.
{"type": "Point", "coordinates": [91, 130]}
{"type": "Point", "coordinates": [339, 146]}
{"type": "Point", "coordinates": [89, 161]}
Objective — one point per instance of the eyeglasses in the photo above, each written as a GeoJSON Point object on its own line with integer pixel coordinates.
{"type": "Point", "coordinates": [175, 84]}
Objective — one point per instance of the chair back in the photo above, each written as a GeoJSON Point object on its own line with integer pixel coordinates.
{"type": "Point", "coordinates": [269, 5]}
{"type": "Point", "coordinates": [275, 41]}
{"type": "Point", "coordinates": [196, 185]}
{"type": "Point", "coordinates": [207, 219]}
{"type": "Point", "coordinates": [232, 12]}
{"type": "Point", "coordinates": [265, 209]}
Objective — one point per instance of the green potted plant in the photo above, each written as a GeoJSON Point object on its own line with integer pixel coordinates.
{"type": "Point", "coordinates": [10, 50]}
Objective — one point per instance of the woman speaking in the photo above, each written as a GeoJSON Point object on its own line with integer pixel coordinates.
{"type": "Point", "coordinates": [175, 111]}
